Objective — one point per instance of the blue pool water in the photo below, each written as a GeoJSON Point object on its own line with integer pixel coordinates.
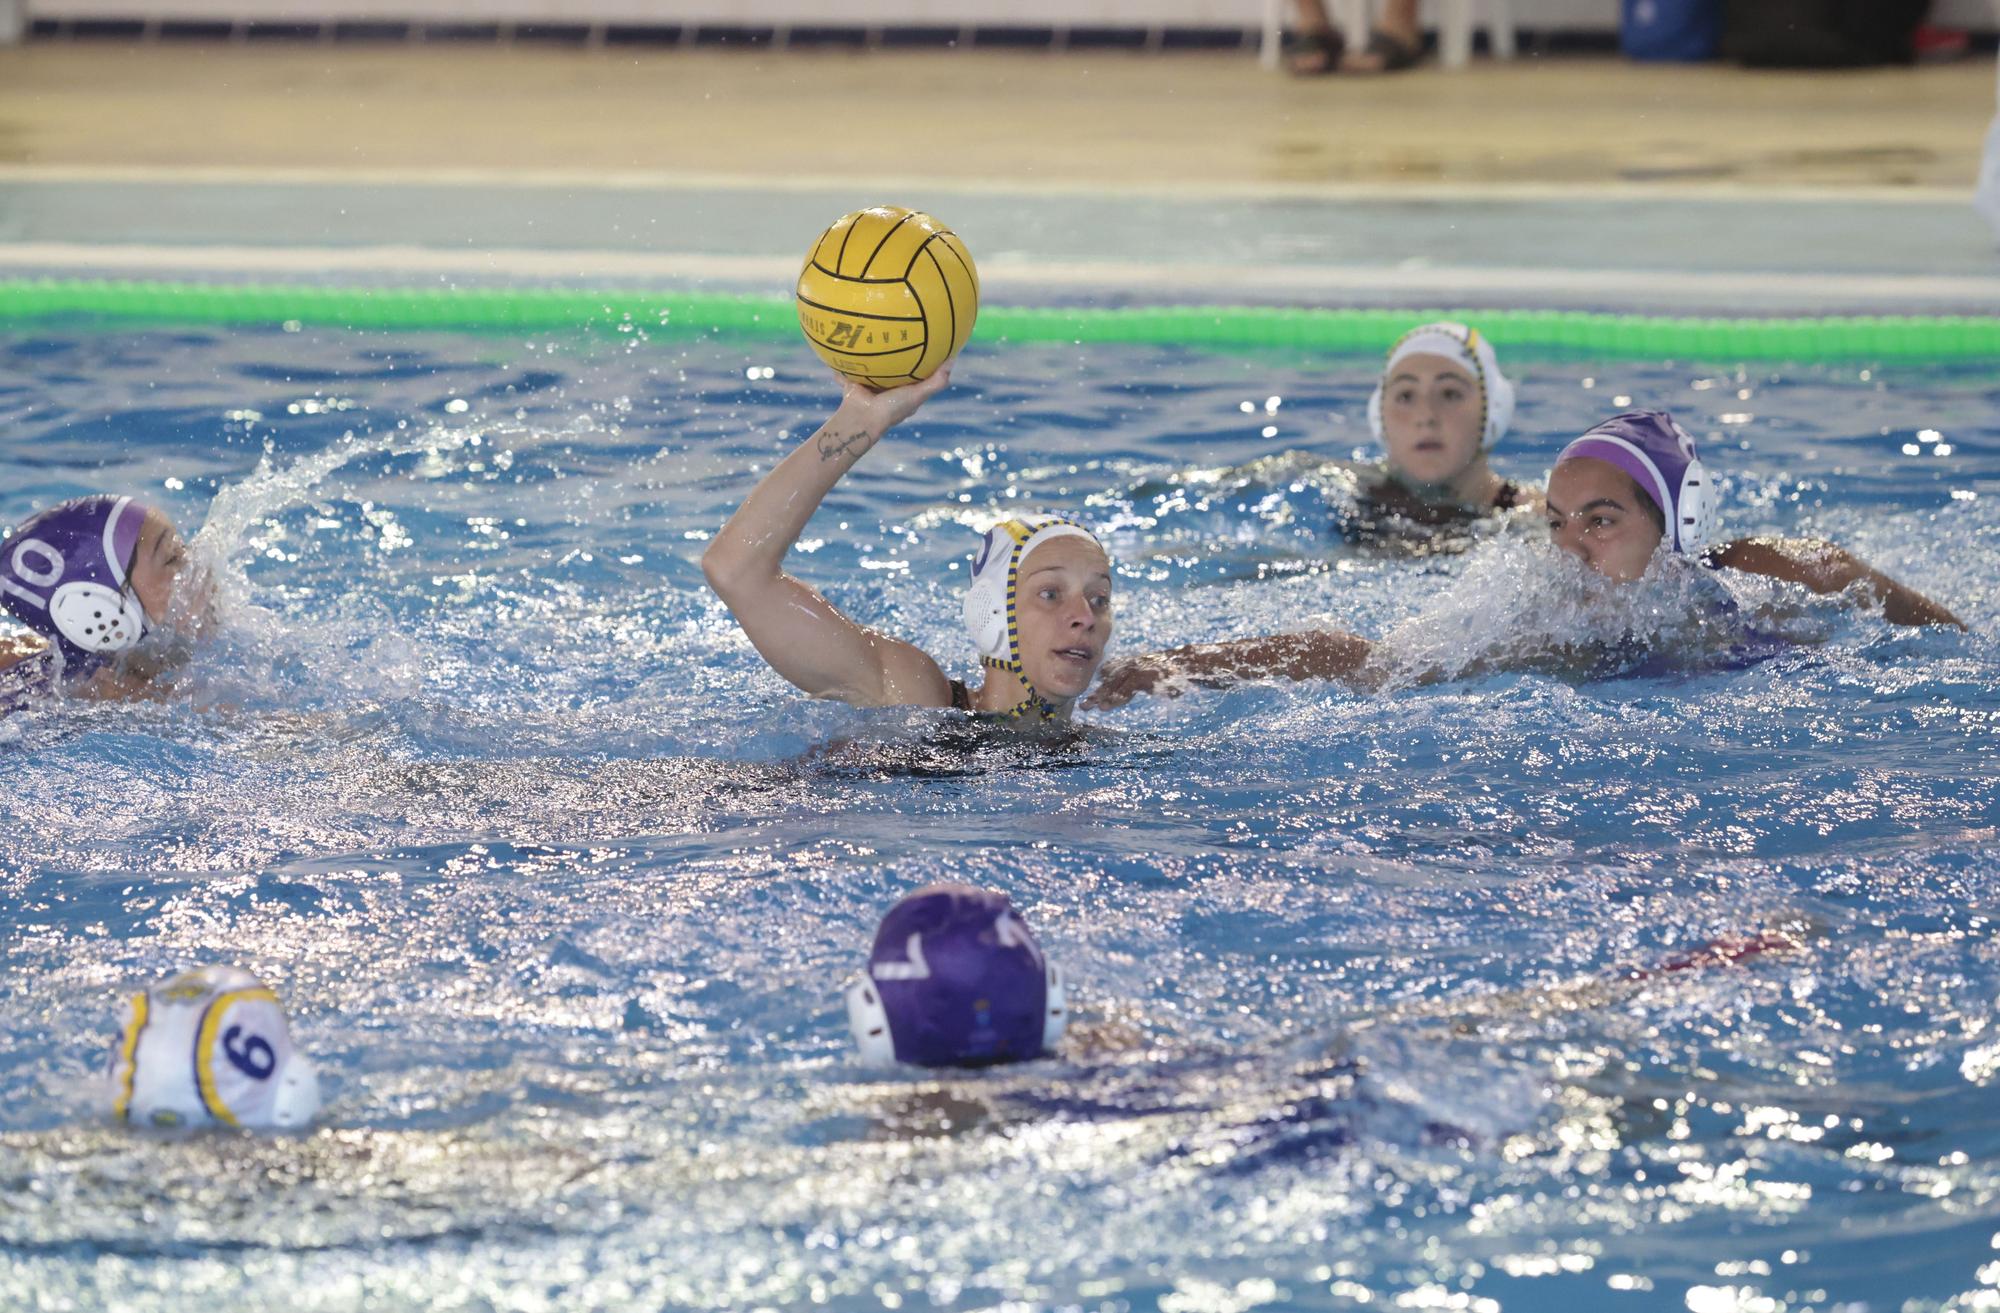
{"type": "Point", "coordinates": [561, 883]}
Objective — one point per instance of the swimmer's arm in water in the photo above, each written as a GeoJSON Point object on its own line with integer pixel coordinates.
{"type": "Point", "coordinates": [1826, 568]}
{"type": "Point", "coordinates": [1315, 654]}
{"type": "Point", "coordinates": [105, 685]}
{"type": "Point", "coordinates": [16, 648]}
{"type": "Point", "coordinates": [804, 637]}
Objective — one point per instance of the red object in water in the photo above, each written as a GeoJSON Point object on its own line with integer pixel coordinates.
{"type": "Point", "coordinates": [1723, 952]}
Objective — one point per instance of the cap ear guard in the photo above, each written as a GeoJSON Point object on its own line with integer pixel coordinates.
{"type": "Point", "coordinates": [986, 599]}
{"type": "Point", "coordinates": [1694, 506]}
{"type": "Point", "coordinates": [295, 1098]}
{"type": "Point", "coordinates": [97, 618]}
{"type": "Point", "coordinates": [1056, 1010]}
{"type": "Point", "coordinates": [1499, 408]}
{"type": "Point", "coordinates": [868, 1019]}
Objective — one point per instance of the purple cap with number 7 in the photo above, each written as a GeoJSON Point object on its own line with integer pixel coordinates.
{"type": "Point", "coordinates": [956, 979]}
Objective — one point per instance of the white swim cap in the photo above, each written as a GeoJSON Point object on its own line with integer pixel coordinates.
{"type": "Point", "coordinates": [990, 615]}
{"type": "Point", "coordinates": [210, 1047]}
{"type": "Point", "coordinates": [1464, 345]}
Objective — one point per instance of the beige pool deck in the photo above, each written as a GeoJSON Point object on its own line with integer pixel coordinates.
{"type": "Point", "coordinates": [670, 163]}
{"type": "Point", "coordinates": [1185, 120]}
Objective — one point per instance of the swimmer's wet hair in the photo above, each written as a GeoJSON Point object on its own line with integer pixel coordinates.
{"type": "Point", "coordinates": [1650, 504]}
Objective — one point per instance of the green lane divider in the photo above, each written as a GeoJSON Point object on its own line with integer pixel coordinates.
{"type": "Point", "coordinates": [770, 318]}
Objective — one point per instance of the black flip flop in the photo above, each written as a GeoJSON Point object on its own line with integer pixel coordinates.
{"type": "Point", "coordinates": [1328, 44]}
{"type": "Point", "coordinates": [1397, 54]}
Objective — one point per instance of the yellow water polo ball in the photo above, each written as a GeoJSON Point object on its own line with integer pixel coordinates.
{"type": "Point", "coordinates": [887, 295]}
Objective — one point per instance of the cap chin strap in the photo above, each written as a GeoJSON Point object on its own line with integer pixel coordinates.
{"type": "Point", "coordinates": [1032, 705]}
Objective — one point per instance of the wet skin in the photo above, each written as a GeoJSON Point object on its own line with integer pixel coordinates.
{"type": "Point", "coordinates": [1597, 514]}
{"type": "Point", "coordinates": [157, 573]}
{"type": "Point", "coordinates": [1433, 416]}
{"type": "Point", "coordinates": [1063, 606]}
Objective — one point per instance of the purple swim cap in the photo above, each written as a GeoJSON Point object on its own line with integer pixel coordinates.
{"type": "Point", "coordinates": [1660, 457]}
{"type": "Point", "coordinates": [62, 573]}
{"type": "Point", "coordinates": [955, 979]}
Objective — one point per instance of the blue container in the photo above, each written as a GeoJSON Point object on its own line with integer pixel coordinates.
{"type": "Point", "coordinates": [1671, 30]}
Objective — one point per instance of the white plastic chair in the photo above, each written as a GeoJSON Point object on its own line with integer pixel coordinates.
{"type": "Point", "coordinates": [1455, 30]}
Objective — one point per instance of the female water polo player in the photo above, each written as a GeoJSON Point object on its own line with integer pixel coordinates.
{"type": "Point", "coordinates": [96, 580]}
{"type": "Point", "coordinates": [1625, 499]}
{"type": "Point", "coordinates": [1038, 607]}
{"type": "Point", "coordinates": [1438, 409]}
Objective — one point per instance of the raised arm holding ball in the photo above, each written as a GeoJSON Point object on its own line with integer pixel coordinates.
{"type": "Point", "coordinates": [1039, 606]}
{"type": "Point", "coordinates": [886, 296]}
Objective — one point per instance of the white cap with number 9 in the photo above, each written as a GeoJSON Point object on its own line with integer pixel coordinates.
{"type": "Point", "coordinates": [210, 1047]}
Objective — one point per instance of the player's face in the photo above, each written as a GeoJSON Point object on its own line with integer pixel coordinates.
{"type": "Point", "coordinates": [1433, 415]}
{"type": "Point", "coordinates": [1597, 514]}
{"type": "Point", "coordinates": [174, 594]}
{"type": "Point", "coordinates": [1063, 608]}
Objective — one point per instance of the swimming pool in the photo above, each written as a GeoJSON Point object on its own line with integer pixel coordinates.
{"type": "Point", "coordinates": [561, 883]}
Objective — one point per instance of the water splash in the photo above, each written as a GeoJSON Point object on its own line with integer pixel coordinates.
{"type": "Point", "coordinates": [1520, 606]}
{"type": "Point", "coordinates": [270, 488]}
{"type": "Point", "coordinates": [254, 654]}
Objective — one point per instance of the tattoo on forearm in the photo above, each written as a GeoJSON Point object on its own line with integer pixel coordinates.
{"type": "Point", "coordinates": [833, 446]}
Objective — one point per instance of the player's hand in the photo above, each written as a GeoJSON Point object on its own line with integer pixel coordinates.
{"type": "Point", "coordinates": [880, 411]}
{"type": "Point", "coordinates": [1127, 678]}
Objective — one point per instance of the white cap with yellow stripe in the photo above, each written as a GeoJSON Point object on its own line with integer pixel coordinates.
{"type": "Point", "coordinates": [1466, 347]}
{"type": "Point", "coordinates": [210, 1047]}
{"type": "Point", "coordinates": [991, 604]}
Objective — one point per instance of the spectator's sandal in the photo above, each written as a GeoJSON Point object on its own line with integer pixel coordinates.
{"type": "Point", "coordinates": [1314, 54]}
{"type": "Point", "coordinates": [1395, 53]}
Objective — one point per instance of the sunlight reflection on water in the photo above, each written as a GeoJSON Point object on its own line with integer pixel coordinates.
{"type": "Point", "coordinates": [1381, 998]}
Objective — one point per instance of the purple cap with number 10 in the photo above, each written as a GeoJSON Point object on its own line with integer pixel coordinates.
{"type": "Point", "coordinates": [956, 979]}
{"type": "Point", "coordinates": [63, 574]}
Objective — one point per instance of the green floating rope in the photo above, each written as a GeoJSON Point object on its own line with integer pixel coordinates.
{"type": "Point", "coordinates": [770, 319]}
